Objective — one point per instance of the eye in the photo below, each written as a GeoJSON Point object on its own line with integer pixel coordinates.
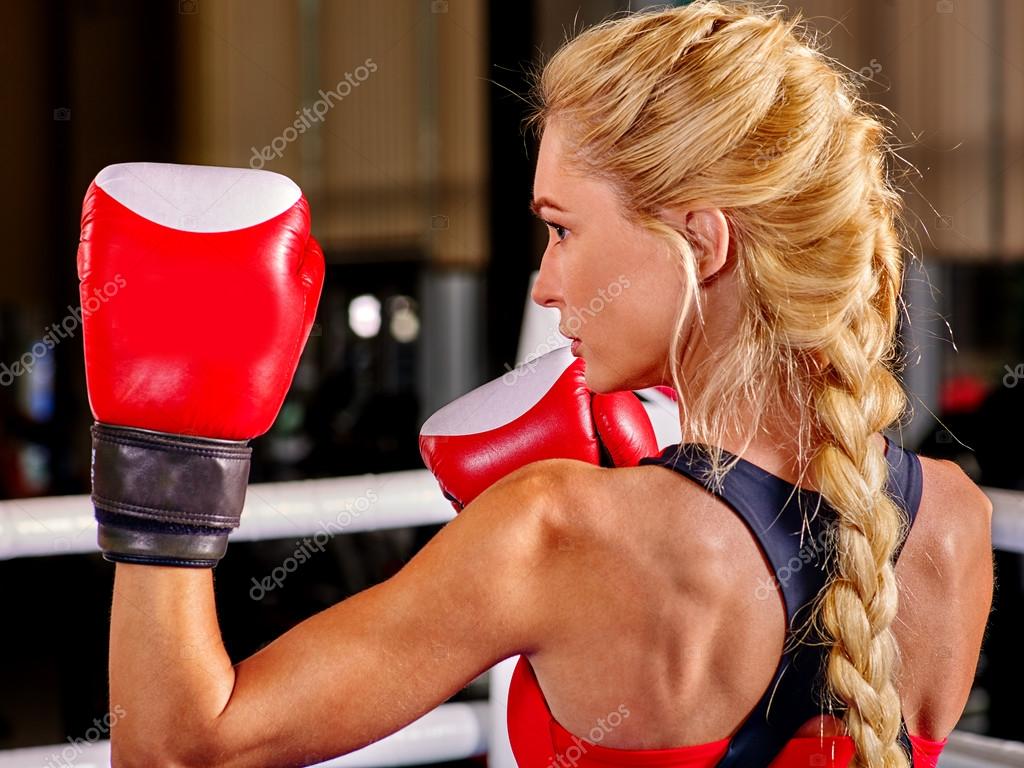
{"type": "Point", "coordinates": [560, 231]}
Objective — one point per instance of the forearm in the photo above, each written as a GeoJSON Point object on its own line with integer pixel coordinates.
{"type": "Point", "coordinates": [174, 414]}
{"type": "Point", "coordinates": [169, 671]}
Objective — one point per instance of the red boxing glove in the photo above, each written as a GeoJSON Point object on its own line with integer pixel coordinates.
{"type": "Point", "coordinates": [540, 410]}
{"type": "Point", "coordinates": [199, 286]}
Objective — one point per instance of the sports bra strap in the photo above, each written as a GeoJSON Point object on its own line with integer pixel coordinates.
{"type": "Point", "coordinates": [793, 528]}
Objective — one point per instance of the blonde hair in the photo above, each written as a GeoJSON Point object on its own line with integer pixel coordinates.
{"type": "Point", "coordinates": [733, 104]}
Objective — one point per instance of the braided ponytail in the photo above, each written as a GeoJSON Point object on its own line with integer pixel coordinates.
{"type": "Point", "coordinates": [857, 397]}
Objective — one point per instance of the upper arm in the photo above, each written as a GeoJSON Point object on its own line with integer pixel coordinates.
{"type": "Point", "coordinates": [946, 581]}
{"type": "Point", "coordinates": [375, 662]}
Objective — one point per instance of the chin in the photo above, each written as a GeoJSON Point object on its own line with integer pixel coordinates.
{"type": "Point", "coordinates": [600, 382]}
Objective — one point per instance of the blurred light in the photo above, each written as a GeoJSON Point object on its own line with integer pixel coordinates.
{"type": "Point", "coordinates": [35, 466]}
{"type": "Point", "coordinates": [405, 323]}
{"type": "Point", "coordinates": [37, 394]}
{"type": "Point", "coordinates": [364, 316]}
{"type": "Point", "coordinates": [405, 326]}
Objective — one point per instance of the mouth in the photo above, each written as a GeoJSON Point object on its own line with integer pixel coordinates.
{"type": "Point", "coordinates": [574, 342]}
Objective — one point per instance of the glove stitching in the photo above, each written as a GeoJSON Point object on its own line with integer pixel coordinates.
{"type": "Point", "coordinates": [138, 510]}
{"type": "Point", "coordinates": [223, 453]}
{"type": "Point", "coordinates": [120, 558]}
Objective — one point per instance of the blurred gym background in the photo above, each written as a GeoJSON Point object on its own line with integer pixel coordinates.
{"type": "Point", "coordinates": [400, 119]}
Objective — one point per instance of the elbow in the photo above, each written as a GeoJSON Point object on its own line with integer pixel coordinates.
{"type": "Point", "coordinates": [124, 756]}
{"type": "Point", "coordinates": [176, 750]}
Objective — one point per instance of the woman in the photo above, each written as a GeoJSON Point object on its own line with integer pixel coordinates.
{"type": "Point", "coordinates": [714, 157]}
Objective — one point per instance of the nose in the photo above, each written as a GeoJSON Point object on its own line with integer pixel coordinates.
{"type": "Point", "coordinates": [547, 288]}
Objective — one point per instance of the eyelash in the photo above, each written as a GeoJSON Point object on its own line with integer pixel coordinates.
{"type": "Point", "coordinates": [557, 227]}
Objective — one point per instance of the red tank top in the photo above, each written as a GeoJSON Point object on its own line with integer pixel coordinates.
{"type": "Point", "coordinates": [539, 741]}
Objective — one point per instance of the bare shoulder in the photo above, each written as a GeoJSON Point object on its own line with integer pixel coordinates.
{"type": "Point", "coordinates": [583, 496]}
{"type": "Point", "coordinates": [565, 491]}
{"type": "Point", "coordinates": [949, 548]}
{"type": "Point", "coordinates": [955, 515]}
{"type": "Point", "coordinates": [590, 510]}
{"type": "Point", "coordinates": [946, 579]}
{"type": "Point", "coordinates": [949, 478]}
{"type": "Point", "coordinates": [541, 504]}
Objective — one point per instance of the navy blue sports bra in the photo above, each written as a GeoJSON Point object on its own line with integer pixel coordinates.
{"type": "Point", "coordinates": [791, 527]}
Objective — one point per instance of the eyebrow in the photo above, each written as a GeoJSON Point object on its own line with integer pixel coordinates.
{"type": "Point", "coordinates": [543, 202]}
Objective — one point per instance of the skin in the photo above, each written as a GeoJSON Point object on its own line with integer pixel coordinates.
{"type": "Point", "coordinates": [349, 675]}
{"type": "Point", "coordinates": [592, 248]}
{"type": "Point", "coordinates": [558, 561]}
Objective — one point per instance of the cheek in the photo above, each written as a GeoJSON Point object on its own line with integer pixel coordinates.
{"type": "Point", "coordinates": [643, 331]}
{"type": "Point", "coordinates": [588, 294]}
{"type": "Point", "coordinates": [652, 295]}
{"type": "Point", "coordinates": [596, 283]}
{"type": "Point", "coordinates": [645, 322]}
{"type": "Point", "coordinates": [625, 290]}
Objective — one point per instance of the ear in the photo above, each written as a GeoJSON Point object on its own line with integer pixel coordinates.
{"type": "Point", "coordinates": [708, 232]}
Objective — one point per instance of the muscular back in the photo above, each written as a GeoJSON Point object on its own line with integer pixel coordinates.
{"type": "Point", "coordinates": [662, 608]}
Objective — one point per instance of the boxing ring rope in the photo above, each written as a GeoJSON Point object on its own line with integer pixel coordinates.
{"type": "Point", "coordinates": [39, 527]}
{"type": "Point", "coordinates": [57, 525]}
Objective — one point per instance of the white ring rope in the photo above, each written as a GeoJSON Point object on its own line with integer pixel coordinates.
{"type": "Point", "coordinates": [56, 525]}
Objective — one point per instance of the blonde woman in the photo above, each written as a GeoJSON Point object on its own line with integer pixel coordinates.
{"type": "Point", "coordinates": [786, 587]}
{"type": "Point", "coordinates": [714, 153]}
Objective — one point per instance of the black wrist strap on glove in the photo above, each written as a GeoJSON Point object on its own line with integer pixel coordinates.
{"type": "Point", "coordinates": [164, 499]}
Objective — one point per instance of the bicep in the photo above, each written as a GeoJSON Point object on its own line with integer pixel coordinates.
{"type": "Point", "coordinates": [375, 662]}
